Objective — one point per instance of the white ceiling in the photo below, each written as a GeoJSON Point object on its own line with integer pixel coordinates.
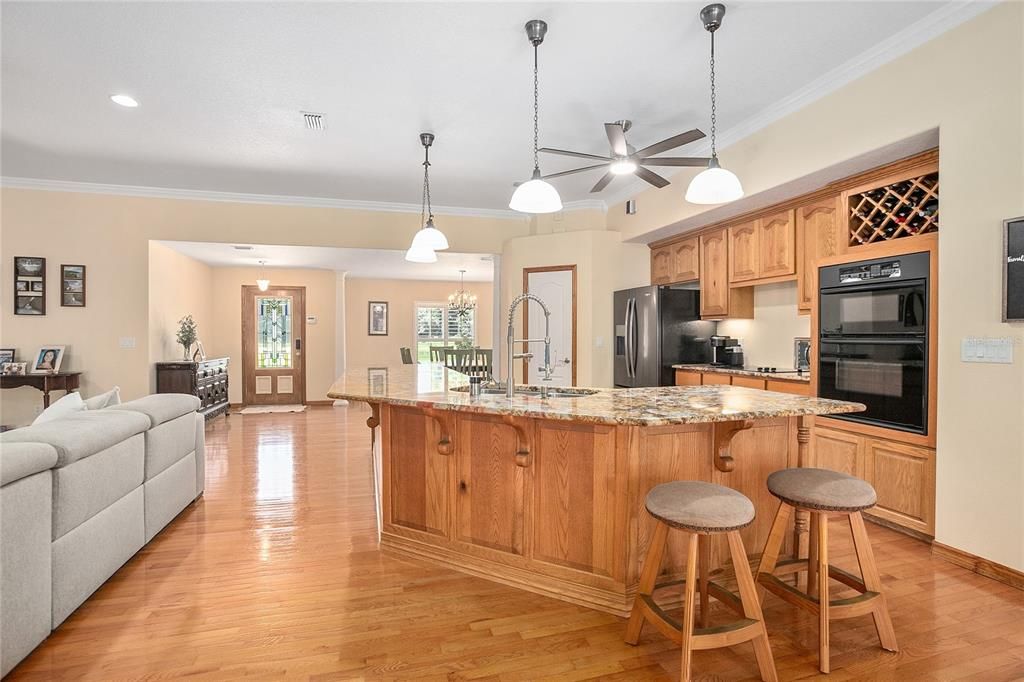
{"type": "Point", "coordinates": [221, 86]}
{"type": "Point", "coordinates": [369, 263]}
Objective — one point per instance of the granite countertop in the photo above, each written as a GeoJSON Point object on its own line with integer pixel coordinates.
{"type": "Point", "coordinates": [431, 385]}
{"type": "Point", "coordinates": [805, 376]}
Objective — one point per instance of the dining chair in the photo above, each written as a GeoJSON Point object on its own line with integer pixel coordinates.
{"type": "Point", "coordinates": [437, 353]}
{"type": "Point", "coordinates": [459, 359]}
{"type": "Point", "coordinates": [406, 355]}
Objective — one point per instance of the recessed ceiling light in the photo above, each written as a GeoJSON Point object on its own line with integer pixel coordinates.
{"type": "Point", "coordinates": [124, 100]}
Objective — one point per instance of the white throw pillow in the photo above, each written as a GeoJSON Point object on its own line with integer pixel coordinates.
{"type": "Point", "coordinates": [69, 404]}
{"type": "Point", "coordinates": [108, 399]}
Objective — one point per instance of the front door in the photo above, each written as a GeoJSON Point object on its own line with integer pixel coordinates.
{"type": "Point", "coordinates": [273, 370]}
{"type": "Point", "coordinates": [556, 286]}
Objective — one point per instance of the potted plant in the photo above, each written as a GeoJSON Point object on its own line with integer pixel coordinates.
{"type": "Point", "coordinates": [187, 333]}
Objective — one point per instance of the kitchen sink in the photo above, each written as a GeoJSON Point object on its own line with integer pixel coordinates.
{"type": "Point", "coordinates": [554, 392]}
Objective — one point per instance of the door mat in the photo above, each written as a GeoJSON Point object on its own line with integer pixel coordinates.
{"type": "Point", "coordinates": [267, 409]}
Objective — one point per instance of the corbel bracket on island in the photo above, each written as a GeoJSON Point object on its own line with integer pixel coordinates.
{"type": "Point", "coordinates": [443, 418]}
{"type": "Point", "coordinates": [724, 433]}
{"type": "Point", "coordinates": [522, 429]}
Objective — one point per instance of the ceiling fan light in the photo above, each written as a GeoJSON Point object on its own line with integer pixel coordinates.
{"type": "Point", "coordinates": [622, 167]}
{"type": "Point", "coordinates": [714, 185]}
{"type": "Point", "coordinates": [536, 196]}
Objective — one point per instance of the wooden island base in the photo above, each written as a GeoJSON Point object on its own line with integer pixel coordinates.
{"type": "Point", "coordinates": [557, 507]}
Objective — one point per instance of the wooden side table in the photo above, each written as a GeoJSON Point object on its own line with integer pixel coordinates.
{"type": "Point", "coordinates": [61, 381]}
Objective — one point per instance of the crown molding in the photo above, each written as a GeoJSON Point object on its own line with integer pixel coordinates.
{"type": "Point", "coordinates": [243, 198]}
{"type": "Point", "coordinates": [947, 17]}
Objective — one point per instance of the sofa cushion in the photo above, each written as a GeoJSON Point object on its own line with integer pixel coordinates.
{"type": "Point", "coordinates": [104, 400]}
{"type": "Point", "coordinates": [18, 460]}
{"type": "Point", "coordinates": [169, 443]}
{"type": "Point", "coordinates": [82, 434]}
{"type": "Point", "coordinates": [162, 407]}
{"type": "Point", "coordinates": [69, 404]}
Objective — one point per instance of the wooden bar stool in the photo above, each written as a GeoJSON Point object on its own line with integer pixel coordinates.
{"type": "Point", "coordinates": [701, 510]}
{"type": "Point", "coordinates": [824, 493]}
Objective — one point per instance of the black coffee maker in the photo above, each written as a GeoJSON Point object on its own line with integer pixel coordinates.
{"type": "Point", "coordinates": [726, 352]}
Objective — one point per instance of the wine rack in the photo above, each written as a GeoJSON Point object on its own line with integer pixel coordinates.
{"type": "Point", "coordinates": [903, 208]}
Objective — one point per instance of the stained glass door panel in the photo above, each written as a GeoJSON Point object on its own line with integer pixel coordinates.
{"type": "Point", "coordinates": [272, 345]}
{"type": "Point", "coordinates": [274, 332]}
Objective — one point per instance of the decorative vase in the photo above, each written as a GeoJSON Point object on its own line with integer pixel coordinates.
{"type": "Point", "coordinates": [188, 355]}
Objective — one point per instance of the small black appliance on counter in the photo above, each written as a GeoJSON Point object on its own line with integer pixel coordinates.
{"type": "Point", "coordinates": [726, 352]}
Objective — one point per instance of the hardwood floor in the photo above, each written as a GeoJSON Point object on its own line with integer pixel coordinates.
{"type": "Point", "coordinates": [276, 574]}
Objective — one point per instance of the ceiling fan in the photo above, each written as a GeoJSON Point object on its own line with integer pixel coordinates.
{"type": "Point", "coordinates": [625, 159]}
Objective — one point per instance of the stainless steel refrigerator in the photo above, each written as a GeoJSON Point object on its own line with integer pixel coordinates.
{"type": "Point", "coordinates": [655, 328]}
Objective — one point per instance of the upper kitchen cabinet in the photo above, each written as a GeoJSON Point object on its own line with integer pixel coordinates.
{"type": "Point", "coordinates": [661, 265]}
{"type": "Point", "coordinates": [763, 249]}
{"type": "Point", "coordinates": [818, 235]}
{"type": "Point", "coordinates": [686, 260]}
{"type": "Point", "coordinates": [717, 300]}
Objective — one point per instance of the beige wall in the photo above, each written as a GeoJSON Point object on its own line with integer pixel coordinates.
{"type": "Point", "coordinates": [968, 83]}
{"type": "Point", "coordinates": [178, 286]}
{"type": "Point", "coordinates": [318, 339]}
{"type": "Point", "coordinates": [111, 234]}
{"type": "Point", "coordinates": [363, 350]}
{"type": "Point", "coordinates": [603, 265]}
{"type": "Point", "coordinates": [768, 338]}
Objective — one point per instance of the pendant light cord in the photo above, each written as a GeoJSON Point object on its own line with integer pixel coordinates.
{"type": "Point", "coordinates": [426, 210]}
{"type": "Point", "coordinates": [536, 106]}
{"type": "Point", "coordinates": [714, 110]}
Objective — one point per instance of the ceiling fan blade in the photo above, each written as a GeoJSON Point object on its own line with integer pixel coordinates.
{"type": "Point", "coordinates": [580, 155]}
{"type": "Point", "coordinates": [670, 143]}
{"type": "Point", "coordinates": [617, 138]}
{"type": "Point", "coordinates": [574, 170]}
{"type": "Point", "coordinates": [651, 177]}
{"type": "Point", "coordinates": [603, 182]}
{"type": "Point", "coordinates": [677, 161]}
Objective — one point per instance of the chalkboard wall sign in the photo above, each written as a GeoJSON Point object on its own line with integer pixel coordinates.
{"type": "Point", "coordinates": [1013, 274]}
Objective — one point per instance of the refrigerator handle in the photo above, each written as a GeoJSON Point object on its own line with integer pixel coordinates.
{"type": "Point", "coordinates": [629, 335]}
{"type": "Point", "coordinates": [635, 331]}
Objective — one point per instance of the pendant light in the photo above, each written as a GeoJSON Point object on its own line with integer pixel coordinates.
{"type": "Point", "coordinates": [535, 195]}
{"type": "Point", "coordinates": [714, 185]}
{"type": "Point", "coordinates": [461, 302]}
{"type": "Point", "coordinates": [428, 239]}
{"type": "Point", "coordinates": [261, 280]}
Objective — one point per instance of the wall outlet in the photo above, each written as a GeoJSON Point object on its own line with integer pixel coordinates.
{"type": "Point", "coordinates": [126, 342]}
{"type": "Point", "coordinates": [982, 349]}
{"type": "Point", "coordinates": [311, 319]}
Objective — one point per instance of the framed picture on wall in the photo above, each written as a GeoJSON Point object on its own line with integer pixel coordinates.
{"type": "Point", "coordinates": [29, 285]}
{"type": "Point", "coordinates": [378, 318]}
{"type": "Point", "coordinates": [1013, 270]}
{"type": "Point", "coordinates": [72, 286]}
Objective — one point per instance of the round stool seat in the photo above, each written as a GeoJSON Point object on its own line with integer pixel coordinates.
{"type": "Point", "coordinates": [701, 507]}
{"type": "Point", "coordinates": [822, 489]}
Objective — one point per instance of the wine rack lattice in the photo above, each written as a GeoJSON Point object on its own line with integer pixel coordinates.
{"type": "Point", "coordinates": [902, 209]}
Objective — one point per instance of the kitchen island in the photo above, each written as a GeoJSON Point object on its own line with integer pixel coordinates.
{"type": "Point", "coordinates": [547, 494]}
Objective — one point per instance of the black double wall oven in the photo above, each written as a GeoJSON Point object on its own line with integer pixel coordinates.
{"type": "Point", "coordinates": [873, 339]}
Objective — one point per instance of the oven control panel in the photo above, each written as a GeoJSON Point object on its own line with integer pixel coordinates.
{"type": "Point", "coordinates": [870, 272]}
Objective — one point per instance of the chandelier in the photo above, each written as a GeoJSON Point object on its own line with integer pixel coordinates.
{"type": "Point", "coordinates": [461, 302]}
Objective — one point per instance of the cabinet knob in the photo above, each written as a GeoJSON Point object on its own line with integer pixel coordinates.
{"type": "Point", "coordinates": [462, 486]}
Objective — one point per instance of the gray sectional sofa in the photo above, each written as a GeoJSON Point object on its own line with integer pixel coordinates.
{"type": "Point", "coordinates": [80, 496]}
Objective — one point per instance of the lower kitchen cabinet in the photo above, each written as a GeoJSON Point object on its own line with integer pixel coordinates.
{"type": "Point", "coordinates": [903, 475]}
{"type": "Point", "coordinates": [711, 378]}
{"type": "Point", "coordinates": [685, 378]}
{"type": "Point", "coordinates": [748, 382]}
{"type": "Point", "coordinates": [794, 387]}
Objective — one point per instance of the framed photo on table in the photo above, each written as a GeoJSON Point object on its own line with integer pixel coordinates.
{"type": "Point", "coordinates": [29, 285]}
{"type": "Point", "coordinates": [72, 286]}
{"type": "Point", "coordinates": [378, 318]}
{"type": "Point", "coordinates": [7, 355]}
{"type": "Point", "coordinates": [47, 360]}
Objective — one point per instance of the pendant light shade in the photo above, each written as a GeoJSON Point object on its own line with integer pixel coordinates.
{"type": "Point", "coordinates": [535, 195]}
{"type": "Point", "coordinates": [714, 185]}
{"type": "Point", "coordinates": [262, 283]}
{"type": "Point", "coordinates": [428, 239]}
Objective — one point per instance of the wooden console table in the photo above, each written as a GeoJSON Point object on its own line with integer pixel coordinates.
{"type": "Point", "coordinates": [61, 381]}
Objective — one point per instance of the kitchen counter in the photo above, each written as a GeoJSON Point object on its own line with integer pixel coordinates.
{"type": "Point", "coordinates": [547, 494]}
{"type": "Point", "coordinates": [788, 375]}
{"type": "Point", "coordinates": [432, 386]}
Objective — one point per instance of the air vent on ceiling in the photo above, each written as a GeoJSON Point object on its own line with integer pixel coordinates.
{"type": "Point", "coordinates": [242, 247]}
{"type": "Point", "coordinates": [314, 121]}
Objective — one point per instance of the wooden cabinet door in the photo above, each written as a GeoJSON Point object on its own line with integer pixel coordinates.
{"type": "Point", "coordinates": [817, 236]}
{"type": "Point", "coordinates": [418, 479]}
{"type": "Point", "coordinates": [743, 252]}
{"type": "Point", "coordinates": [714, 274]}
{"type": "Point", "coordinates": [576, 484]}
{"type": "Point", "coordinates": [684, 378]}
{"type": "Point", "coordinates": [490, 497]}
{"type": "Point", "coordinates": [748, 382]}
{"type": "Point", "coordinates": [838, 450]}
{"type": "Point", "coordinates": [686, 260]}
{"type": "Point", "coordinates": [712, 378]}
{"type": "Point", "coordinates": [776, 244]}
{"type": "Point", "coordinates": [794, 387]}
{"type": "Point", "coordinates": [661, 265]}
{"type": "Point", "coordinates": [904, 479]}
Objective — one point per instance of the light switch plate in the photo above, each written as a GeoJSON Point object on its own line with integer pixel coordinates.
{"type": "Point", "coordinates": [982, 349]}
{"type": "Point", "coordinates": [126, 342]}
{"type": "Point", "coordinates": [311, 319]}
